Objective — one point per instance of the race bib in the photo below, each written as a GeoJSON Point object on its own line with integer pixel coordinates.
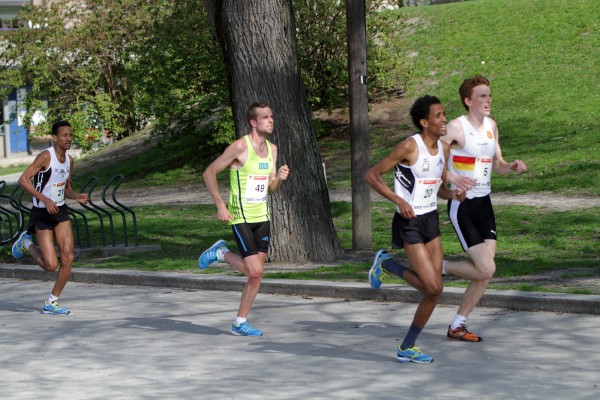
{"type": "Point", "coordinates": [482, 172]}
{"type": "Point", "coordinates": [425, 195]}
{"type": "Point", "coordinates": [256, 188]}
{"type": "Point", "coordinates": [57, 194]}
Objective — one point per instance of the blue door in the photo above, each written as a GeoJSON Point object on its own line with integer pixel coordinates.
{"type": "Point", "coordinates": [18, 133]}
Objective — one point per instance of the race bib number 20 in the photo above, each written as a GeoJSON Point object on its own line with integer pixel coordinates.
{"type": "Point", "coordinates": [425, 194]}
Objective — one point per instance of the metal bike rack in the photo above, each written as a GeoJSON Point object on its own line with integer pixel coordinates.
{"type": "Point", "coordinates": [75, 215]}
{"type": "Point", "coordinates": [118, 207]}
{"type": "Point", "coordinates": [102, 212]}
{"type": "Point", "coordinates": [99, 211]}
{"type": "Point", "coordinates": [9, 214]}
{"type": "Point", "coordinates": [18, 211]}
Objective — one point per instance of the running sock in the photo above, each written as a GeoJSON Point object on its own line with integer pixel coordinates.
{"type": "Point", "coordinates": [221, 253]}
{"type": "Point", "coordinates": [238, 321]}
{"type": "Point", "coordinates": [411, 337]}
{"type": "Point", "coordinates": [27, 243]}
{"type": "Point", "coordinates": [444, 262]}
{"type": "Point", "coordinates": [52, 298]}
{"type": "Point", "coordinates": [393, 266]}
{"type": "Point", "coordinates": [458, 321]}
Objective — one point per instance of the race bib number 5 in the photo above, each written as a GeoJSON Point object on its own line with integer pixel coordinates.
{"type": "Point", "coordinates": [482, 172]}
{"type": "Point", "coordinates": [256, 188]}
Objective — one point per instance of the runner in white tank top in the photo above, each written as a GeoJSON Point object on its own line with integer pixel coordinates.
{"type": "Point", "coordinates": [475, 153]}
{"type": "Point", "coordinates": [419, 172]}
{"type": "Point", "coordinates": [53, 181]}
{"type": "Point", "coordinates": [49, 219]}
{"type": "Point", "coordinates": [418, 184]}
{"type": "Point", "coordinates": [474, 159]}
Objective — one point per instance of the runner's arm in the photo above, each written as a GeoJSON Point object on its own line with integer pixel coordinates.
{"type": "Point", "coordinates": [502, 166]}
{"type": "Point", "coordinates": [232, 153]}
{"type": "Point", "coordinates": [41, 163]}
{"type": "Point", "coordinates": [69, 193]}
{"type": "Point", "coordinates": [277, 175]}
{"type": "Point", "coordinates": [444, 191]}
{"type": "Point", "coordinates": [404, 151]}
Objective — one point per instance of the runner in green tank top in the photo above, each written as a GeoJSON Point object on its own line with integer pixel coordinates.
{"type": "Point", "coordinates": [249, 184]}
{"type": "Point", "coordinates": [252, 160]}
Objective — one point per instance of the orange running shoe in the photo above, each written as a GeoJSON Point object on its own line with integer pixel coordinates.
{"type": "Point", "coordinates": [462, 333]}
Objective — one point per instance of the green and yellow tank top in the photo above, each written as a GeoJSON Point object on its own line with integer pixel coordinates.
{"type": "Point", "coordinates": [250, 187]}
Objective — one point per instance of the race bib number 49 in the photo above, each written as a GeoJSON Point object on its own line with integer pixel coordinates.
{"type": "Point", "coordinates": [256, 188]}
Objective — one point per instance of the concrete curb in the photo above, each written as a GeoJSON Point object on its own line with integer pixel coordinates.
{"type": "Point", "coordinates": [508, 299]}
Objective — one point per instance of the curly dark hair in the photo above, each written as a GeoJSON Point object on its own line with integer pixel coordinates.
{"type": "Point", "coordinates": [420, 109]}
{"type": "Point", "coordinates": [59, 124]}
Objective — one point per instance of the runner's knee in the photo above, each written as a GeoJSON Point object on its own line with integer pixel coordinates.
{"type": "Point", "coordinates": [486, 271]}
{"type": "Point", "coordinates": [434, 289]}
{"type": "Point", "coordinates": [50, 266]}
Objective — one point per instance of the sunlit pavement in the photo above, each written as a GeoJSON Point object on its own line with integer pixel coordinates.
{"type": "Point", "coordinates": [142, 342]}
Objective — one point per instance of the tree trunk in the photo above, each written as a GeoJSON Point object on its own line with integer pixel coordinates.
{"type": "Point", "coordinates": [259, 45]}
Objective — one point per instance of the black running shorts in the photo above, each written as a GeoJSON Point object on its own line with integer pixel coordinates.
{"type": "Point", "coordinates": [41, 219]}
{"type": "Point", "coordinates": [473, 220]}
{"type": "Point", "coordinates": [422, 229]}
{"type": "Point", "coordinates": [252, 238]}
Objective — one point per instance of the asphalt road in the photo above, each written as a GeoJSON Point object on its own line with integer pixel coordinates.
{"type": "Point", "coordinates": [142, 342]}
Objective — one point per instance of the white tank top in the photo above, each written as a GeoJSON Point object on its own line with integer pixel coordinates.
{"type": "Point", "coordinates": [418, 184]}
{"type": "Point", "coordinates": [475, 159]}
{"type": "Point", "coordinates": [53, 181]}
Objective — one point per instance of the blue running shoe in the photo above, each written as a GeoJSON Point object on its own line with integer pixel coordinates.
{"type": "Point", "coordinates": [412, 354]}
{"type": "Point", "coordinates": [245, 330]}
{"type": "Point", "coordinates": [377, 273]}
{"type": "Point", "coordinates": [18, 249]}
{"type": "Point", "coordinates": [54, 309]}
{"type": "Point", "coordinates": [210, 255]}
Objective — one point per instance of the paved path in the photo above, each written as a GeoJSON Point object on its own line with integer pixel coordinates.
{"type": "Point", "coordinates": [139, 342]}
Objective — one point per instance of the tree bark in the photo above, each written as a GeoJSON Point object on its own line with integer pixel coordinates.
{"type": "Point", "coordinates": [258, 41]}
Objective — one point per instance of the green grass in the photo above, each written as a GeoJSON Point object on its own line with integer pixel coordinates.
{"type": "Point", "coordinates": [541, 57]}
{"type": "Point", "coordinates": [13, 169]}
{"type": "Point", "coordinates": [524, 247]}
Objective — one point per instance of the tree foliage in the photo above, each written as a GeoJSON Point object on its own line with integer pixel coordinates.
{"type": "Point", "coordinates": [74, 55]}
{"type": "Point", "coordinates": [180, 74]}
{"type": "Point", "coordinates": [117, 64]}
{"type": "Point", "coordinates": [323, 52]}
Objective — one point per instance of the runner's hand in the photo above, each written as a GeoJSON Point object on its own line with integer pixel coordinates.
{"type": "Point", "coordinates": [518, 166]}
{"type": "Point", "coordinates": [224, 215]}
{"type": "Point", "coordinates": [283, 172]}
{"type": "Point", "coordinates": [464, 182]}
{"type": "Point", "coordinates": [460, 195]}
{"type": "Point", "coordinates": [51, 206]}
{"type": "Point", "coordinates": [406, 211]}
